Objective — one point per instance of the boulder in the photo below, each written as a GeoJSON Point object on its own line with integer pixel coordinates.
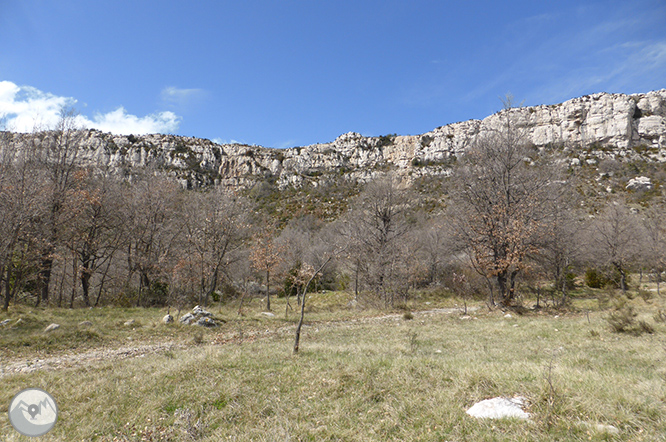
{"type": "Point", "coordinates": [206, 322]}
{"type": "Point", "coordinates": [198, 311]}
{"type": "Point", "coordinates": [498, 408]}
{"type": "Point", "coordinates": [639, 183]}
{"type": "Point", "coordinates": [51, 327]}
{"type": "Point", "coordinates": [186, 318]}
{"type": "Point", "coordinates": [199, 316]}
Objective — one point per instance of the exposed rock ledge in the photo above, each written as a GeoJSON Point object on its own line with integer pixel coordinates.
{"type": "Point", "coordinates": [594, 126]}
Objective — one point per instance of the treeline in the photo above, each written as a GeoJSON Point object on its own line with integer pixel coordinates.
{"type": "Point", "coordinates": [513, 221]}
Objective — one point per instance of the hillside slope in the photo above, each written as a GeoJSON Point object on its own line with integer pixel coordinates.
{"type": "Point", "coordinates": [586, 129]}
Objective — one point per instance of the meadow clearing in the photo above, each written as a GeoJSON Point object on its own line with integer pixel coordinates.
{"type": "Point", "coordinates": [361, 374]}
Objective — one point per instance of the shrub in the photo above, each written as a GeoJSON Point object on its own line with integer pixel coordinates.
{"type": "Point", "coordinates": [623, 320]}
{"type": "Point", "coordinates": [426, 140]}
{"type": "Point", "coordinates": [386, 140]}
{"type": "Point", "coordinates": [595, 279]}
{"type": "Point", "coordinates": [660, 316]}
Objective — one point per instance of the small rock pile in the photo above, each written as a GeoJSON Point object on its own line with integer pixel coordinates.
{"type": "Point", "coordinates": [199, 316]}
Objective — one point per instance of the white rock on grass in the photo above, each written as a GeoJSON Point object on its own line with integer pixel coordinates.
{"type": "Point", "coordinates": [601, 428]}
{"type": "Point", "coordinates": [198, 316]}
{"type": "Point", "coordinates": [187, 318]}
{"type": "Point", "coordinates": [198, 311]}
{"type": "Point", "coordinates": [167, 319]}
{"type": "Point", "coordinates": [51, 328]}
{"type": "Point", "coordinates": [498, 408]}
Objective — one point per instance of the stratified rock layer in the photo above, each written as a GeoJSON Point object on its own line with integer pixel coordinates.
{"type": "Point", "coordinates": [587, 129]}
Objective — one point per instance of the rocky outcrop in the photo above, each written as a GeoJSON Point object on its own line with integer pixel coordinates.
{"type": "Point", "coordinates": [587, 129]}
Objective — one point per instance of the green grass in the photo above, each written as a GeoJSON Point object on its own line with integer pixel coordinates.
{"type": "Point", "coordinates": [364, 379]}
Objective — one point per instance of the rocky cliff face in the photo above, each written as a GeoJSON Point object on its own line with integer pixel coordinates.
{"type": "Point", "coordinates": [587, 129]}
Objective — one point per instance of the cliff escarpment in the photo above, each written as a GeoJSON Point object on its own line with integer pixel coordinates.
{"type": "Point", "coordinates": [586, 129]}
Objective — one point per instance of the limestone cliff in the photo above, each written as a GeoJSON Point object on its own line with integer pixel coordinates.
{"type": "Point", "coordinates": [587, 129]}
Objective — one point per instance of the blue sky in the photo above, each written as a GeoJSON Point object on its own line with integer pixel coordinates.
{"type": "Point", "coordinates": [288, 73]}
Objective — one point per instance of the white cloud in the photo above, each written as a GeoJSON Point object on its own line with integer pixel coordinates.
{"type": "Point", "coordinates": [25, 108]}
{"type": "Point", "coordinates": [174, 96]}
{"type": "Point", "coordinates": [120, 122]}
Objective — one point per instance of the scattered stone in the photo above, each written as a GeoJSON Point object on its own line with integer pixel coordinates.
{"type": "Point", "coordinates": [268, 314]}
{"type": "Point", "coordinates": [508, 316]}
{"type": "Point", "coordinates": [639, 183]}
{"type": "Point", "coordinates": [85, 324]}
{"type": "Point", "coordinates": [498, 408]}
{"type": "Point", "coordinates": [601, 428]}
{"type": "Point", "coordinates": [199, 316]}
{"type": "Point", "coordinates": [130, 322]}
{"type": "Point", "coordinates": [167, 319]}
{"type": "Point", "coordinates": [5, 322]}
{"type": "Point", "coordinates": [186, 318]}
{"type": "Point", "coordinates": [198, 311]}
{"type": "Point", "coordinates": [18, 321]}
{"type": "Point", "coordinates": [51, 328]}
{"type": "Point", "coordinates": [206, 322]}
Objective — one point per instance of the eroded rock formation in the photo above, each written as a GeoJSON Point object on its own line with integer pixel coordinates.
{"type": "Point", "coordinates": [586, 129]}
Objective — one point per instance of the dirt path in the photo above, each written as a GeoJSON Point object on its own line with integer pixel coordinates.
{"type": "Point", "coordinates": [13, 366]}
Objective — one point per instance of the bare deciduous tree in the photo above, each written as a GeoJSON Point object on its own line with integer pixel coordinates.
{"type": "Point", "coordinates": [654, 247]}
{"type": "Point", "coordinates": [266, 256]}
{"type": "Point", "coordinates": [500, 194]}
{"type": "Point", "coordinates": [152, 228]}
{"type": "Point", "coordinates": [615, 240]}
{"type": "Point", "coordinates": [376, 228]}
{"type": "Point", "coordinates": [58, 151]}
{"type": "Point", "coordinates": [93, 228]}
{"type": "Point", "coordinates": [22, 201]}
{"type": "Point", "coordinates": [214, 227]}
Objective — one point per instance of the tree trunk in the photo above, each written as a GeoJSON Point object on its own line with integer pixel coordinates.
{"type": "Point", "coordinates": [268, 291]}
{"type": "Point", "coordinates": [623, 277]}
{"type": "Point", "coordinates": [356, 281]}
{"type": "Point", "coordinates": [74, 272]}
{"type": "Point", "coordinates": [297, 339]}
{"type": "Point", "coordinates": [86, 274]}
{"type": "Point", "coordinates": [8, 291]}
{"type": "Point", "coordinates": [45, 276]}
{"type": "Point", "coordinates": [144, 283]}
{"type": "Point", "coordinates": [101, 284]}
{"type": "Point", "coordinates": [503, 291]}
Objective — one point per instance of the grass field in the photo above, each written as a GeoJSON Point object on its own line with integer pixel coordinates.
{"type": "Point", "coordinates": [361, 375]}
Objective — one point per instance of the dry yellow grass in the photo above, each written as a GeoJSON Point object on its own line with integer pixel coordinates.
{"type": "Point", "coordinates": [367, 379]}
